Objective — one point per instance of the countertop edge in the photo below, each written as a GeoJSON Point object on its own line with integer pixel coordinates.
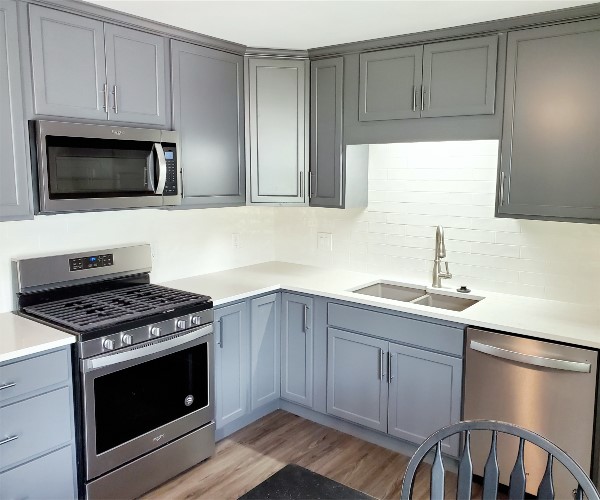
{"type": "Point", "coordinates": [35, 349]}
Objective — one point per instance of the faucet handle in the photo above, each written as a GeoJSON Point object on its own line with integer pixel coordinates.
{"type": "Point", "coordinates": [447, 273]}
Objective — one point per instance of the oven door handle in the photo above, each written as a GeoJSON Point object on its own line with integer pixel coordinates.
{"type": "Point", "coordinates": [141, 351]}
{"type": "Point", "coordinates": [162, 168]}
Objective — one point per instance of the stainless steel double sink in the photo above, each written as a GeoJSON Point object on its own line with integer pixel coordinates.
{"type": "Point", "coordinates": [416, 295]}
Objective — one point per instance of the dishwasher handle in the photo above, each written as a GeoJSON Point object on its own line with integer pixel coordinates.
{"type": "Point", "coordinates": [528, 359]}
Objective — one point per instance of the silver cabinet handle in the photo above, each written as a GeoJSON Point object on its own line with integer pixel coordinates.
{"type": "Point", "coordinates": [162, 168]}
{"type": "Point", "coordinates": [301, 181]}
{"type": "Point", "coordinates": [414, 107]}
{"type": "Point", "coordinates": [221, 333]}
{"type": "Point", "coordinates": [8, 386]}
{"type": "Point", "coordinates": [116, 100]}
{"type": "Point", "coordinates": [390, 365]}
{"type": "Point", "coordinates": [382, 373]}
{"type": "Point", "coordinates": [105, 105]}
{"type": "Point", "coordinates": [8, 439]}
{"type": "Point", "coordinates": [501, 190]}
{"type": "Point", "coordinates": [423, 97]}
{"type": "Point", "coordinates": [528, 359]}
{"type": "Point", "coordinates": [310, 184]}
{"type": "Point", "coordinates": [306, 327]}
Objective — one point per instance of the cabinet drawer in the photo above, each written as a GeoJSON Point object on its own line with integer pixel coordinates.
{"type": "Point", "coordinates": [407, 331]}
{"type": "Point", "coordinates": [33, 374]}
{"type": "Point", "coordinates": [40, 423]}
{"type": "Point", "coordinates": [50, 476]}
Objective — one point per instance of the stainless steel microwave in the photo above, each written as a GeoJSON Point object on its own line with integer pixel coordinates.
{"type": "Point", "coordinates": [83, 167]}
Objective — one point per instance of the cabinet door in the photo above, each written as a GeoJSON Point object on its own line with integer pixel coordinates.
{"type": "Point", "coordinates": [550, 145]}
{"type": "Point", "coordinates": [326, 90]}
{"type": "Point", "coordinates": [135, 71]}
{"type": "Point", "coordinates": [459, 77]}
{"type": "Point", "coordinates": [390, 84]}
{"type": "Point", "coordinates": [265, 376]}
{"type": "Point", "coordinates": [15, 200]}
{"type": "Point", "coordinates": [278, 132]}
{"type": "Point", "coordinates": [232, 363]}
{"type": "Point", "coordinates": [297, 349]}
{"type": "Point", "coordinates": [357, 385]}
{"type": "Point", "coordinates": [67, 53]}
{"type": "Point", "coordinates": [425, 394]}
{"type": "Point", "coordinates": [208, 112]}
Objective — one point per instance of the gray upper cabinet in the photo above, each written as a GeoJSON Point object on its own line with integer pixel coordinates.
{"type": "Point", "coordinates": [83, 68]}
{"type": "Point", "coordinates": [278, 131]}
{"type": "Point", "coordinates": [550, 145]}
{"type": "Point", "coordinates": [69, 68]}
{"type": "Point", "coordinates": [440, 79]}
{"type": "Point", "coordinates": [208, 112]}
{"type": "Point", "coordinates": [135, 71]}
{"type": "Point", "coordinates": [15, 198]}
{"type": "Point", "coordinates": [459, 77]}
{"type": "Point", "coordinates": [390, 84]}
{"type": "Point", "coordinates": [264, 339]}
{"type": "Point", "coordinates": [232, 363]}
{"type": "Point", "coordinates": [297, 349]}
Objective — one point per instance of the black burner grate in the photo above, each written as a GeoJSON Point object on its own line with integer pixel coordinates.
{"type": "Point", "coordinates": [102, 309]}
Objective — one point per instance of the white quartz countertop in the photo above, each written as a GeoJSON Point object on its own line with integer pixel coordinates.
{"type": "Point", "coordinates": [21, 336]}
{"type": "Point", "coordinates": [544, 319]}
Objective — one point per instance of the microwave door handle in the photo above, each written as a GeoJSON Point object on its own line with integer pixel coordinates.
{"type": "Point", "coordinates": [162, 168]}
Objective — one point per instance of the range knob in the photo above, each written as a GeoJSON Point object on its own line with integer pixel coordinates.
{"type": "Point", "coordinates": [108, 344]}
{"type": "Point", "coordinates": [181, 323]}
{"type": "Point", "coordinates": [196, 320]}
{"type": "Point", "coordinates": [127, 339]}
{"type": "Point", "coordinates": [155, 331]}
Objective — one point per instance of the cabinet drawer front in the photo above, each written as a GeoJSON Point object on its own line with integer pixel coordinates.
{"type": "Point", "coordinates": [50, 476]}
{"type": "Point", "coordinates": [33, 374]}
{"type": "Point", "coordinates": [408, 331]}
{"type": "Point", "coordinates": [40, 423]}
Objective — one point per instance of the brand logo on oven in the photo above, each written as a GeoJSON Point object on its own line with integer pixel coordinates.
{"type": "Point", "coordinates": [158, 438]}
{"type": "Point", "coordinates": [189, 400]}
{"type": "Point", "coordinates": [116, 131]}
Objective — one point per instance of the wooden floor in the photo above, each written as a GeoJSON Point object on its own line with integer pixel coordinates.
{"type": "Point", "coordinates": [248, 457]}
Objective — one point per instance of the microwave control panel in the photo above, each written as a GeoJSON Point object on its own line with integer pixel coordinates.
{"type": "Point", "coordinates": [91, 262]}
{"type": "Point", "coordinates": [171, 183]}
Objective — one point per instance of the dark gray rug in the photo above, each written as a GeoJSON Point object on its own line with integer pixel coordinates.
{"type": "Point", "coordinates": [297, 483]}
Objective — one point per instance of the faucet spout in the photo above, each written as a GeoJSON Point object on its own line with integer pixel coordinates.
{"type": "Point", "coordinates": [440, 253]}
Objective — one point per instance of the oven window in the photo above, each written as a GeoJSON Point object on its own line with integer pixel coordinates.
{"type": "Point", "coordinates": [136, 400]}
{"type": "Point", "coordinates": [86, 168]}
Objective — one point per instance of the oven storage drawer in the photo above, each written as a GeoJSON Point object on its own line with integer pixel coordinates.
{"type": "Point", "coordinates": [48, 477]}
{"type": "Point", "coordinates": [35, 425]}
{"type": "Point", "coordinates": [22, 377]}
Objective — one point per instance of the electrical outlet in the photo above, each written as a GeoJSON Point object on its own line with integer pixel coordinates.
{"type": "Point", "coordinates": [324, 242]}
{"type": "Point", "coordinates": [235, 240]}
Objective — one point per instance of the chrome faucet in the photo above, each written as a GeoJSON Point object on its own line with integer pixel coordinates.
{"type": "Point", "coordinates": [440, 253]}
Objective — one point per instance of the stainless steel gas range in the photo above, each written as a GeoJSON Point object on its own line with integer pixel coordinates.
{"type": "Point", "coordinates": [144, 404]}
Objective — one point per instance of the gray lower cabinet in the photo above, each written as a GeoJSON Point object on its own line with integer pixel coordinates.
{"type": "Point", "coordinates": [208, 112]}
{"type": "Point", "coordinates": [338, 174]}
{"type": "Point", "coordinates": [297, 348]}
{"type": "Point", "coordinates": [278, 131]}
{"type": "Point", "coordinates": [15, 190]}
{"type": "Point", "coordinates": [232, 363]}
{"type": "Point", "coordinates": [84, 68]}
{"type": "Point", "coordinates": [37, 455]}
{"type": "Point", "coordinates": [550, 147]}
{"type": "Point", "coordinates": [265, 357]}
{"type": "Point", "coordinates": [440, 79]}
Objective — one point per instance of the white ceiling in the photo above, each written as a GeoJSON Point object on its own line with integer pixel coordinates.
{"type": "Point", "coordinates": [315, 23]}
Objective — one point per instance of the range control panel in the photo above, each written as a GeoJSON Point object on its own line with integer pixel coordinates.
{"type": "Point", "coordinates": [91, 262]}
{"type": "Point", "coordinates": [171, 158]}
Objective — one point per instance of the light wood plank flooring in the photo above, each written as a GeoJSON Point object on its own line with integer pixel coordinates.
{"type": "Point", "coordinates": [248, 457]}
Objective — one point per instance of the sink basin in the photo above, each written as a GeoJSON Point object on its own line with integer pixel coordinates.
{"type": "Point", "coordinates": [394, 292]}
{"type": "Point", "coordinates": [445, 302]}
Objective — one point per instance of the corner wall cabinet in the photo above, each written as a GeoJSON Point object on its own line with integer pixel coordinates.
{"type": "Point", "coordinates": [208, 113]}
{"type": "Point", "coordinates": [36, 414]}
{"type": "Point", "coordinates": [84, 68]}
{"type": "Point", "coordinates": [452, 78]}
{"type": "Point", "coordinates": [278, 131]}
{"type": "Point", "coordinates": [15, 188]}
{"type": "Point", "coordinates": [550, 160]}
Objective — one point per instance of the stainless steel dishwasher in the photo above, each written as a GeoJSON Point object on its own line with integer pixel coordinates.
{"type": "Point", "coordinates": [545, 387]}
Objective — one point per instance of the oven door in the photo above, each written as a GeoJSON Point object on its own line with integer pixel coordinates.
{"type": "Point", "coordinates": [141, 398]}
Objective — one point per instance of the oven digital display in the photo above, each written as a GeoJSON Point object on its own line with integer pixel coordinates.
{"type": "Point", "coordinates": [90, 262]}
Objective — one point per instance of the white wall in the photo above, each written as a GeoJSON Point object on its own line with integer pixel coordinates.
{"type": "Point", "coordinates": [184, 242]}
{"type": "Point", "coordinates": [415, 187]}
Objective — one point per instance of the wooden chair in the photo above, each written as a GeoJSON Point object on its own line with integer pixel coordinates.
{"type": "Point", "coordinates": [491, 473]}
